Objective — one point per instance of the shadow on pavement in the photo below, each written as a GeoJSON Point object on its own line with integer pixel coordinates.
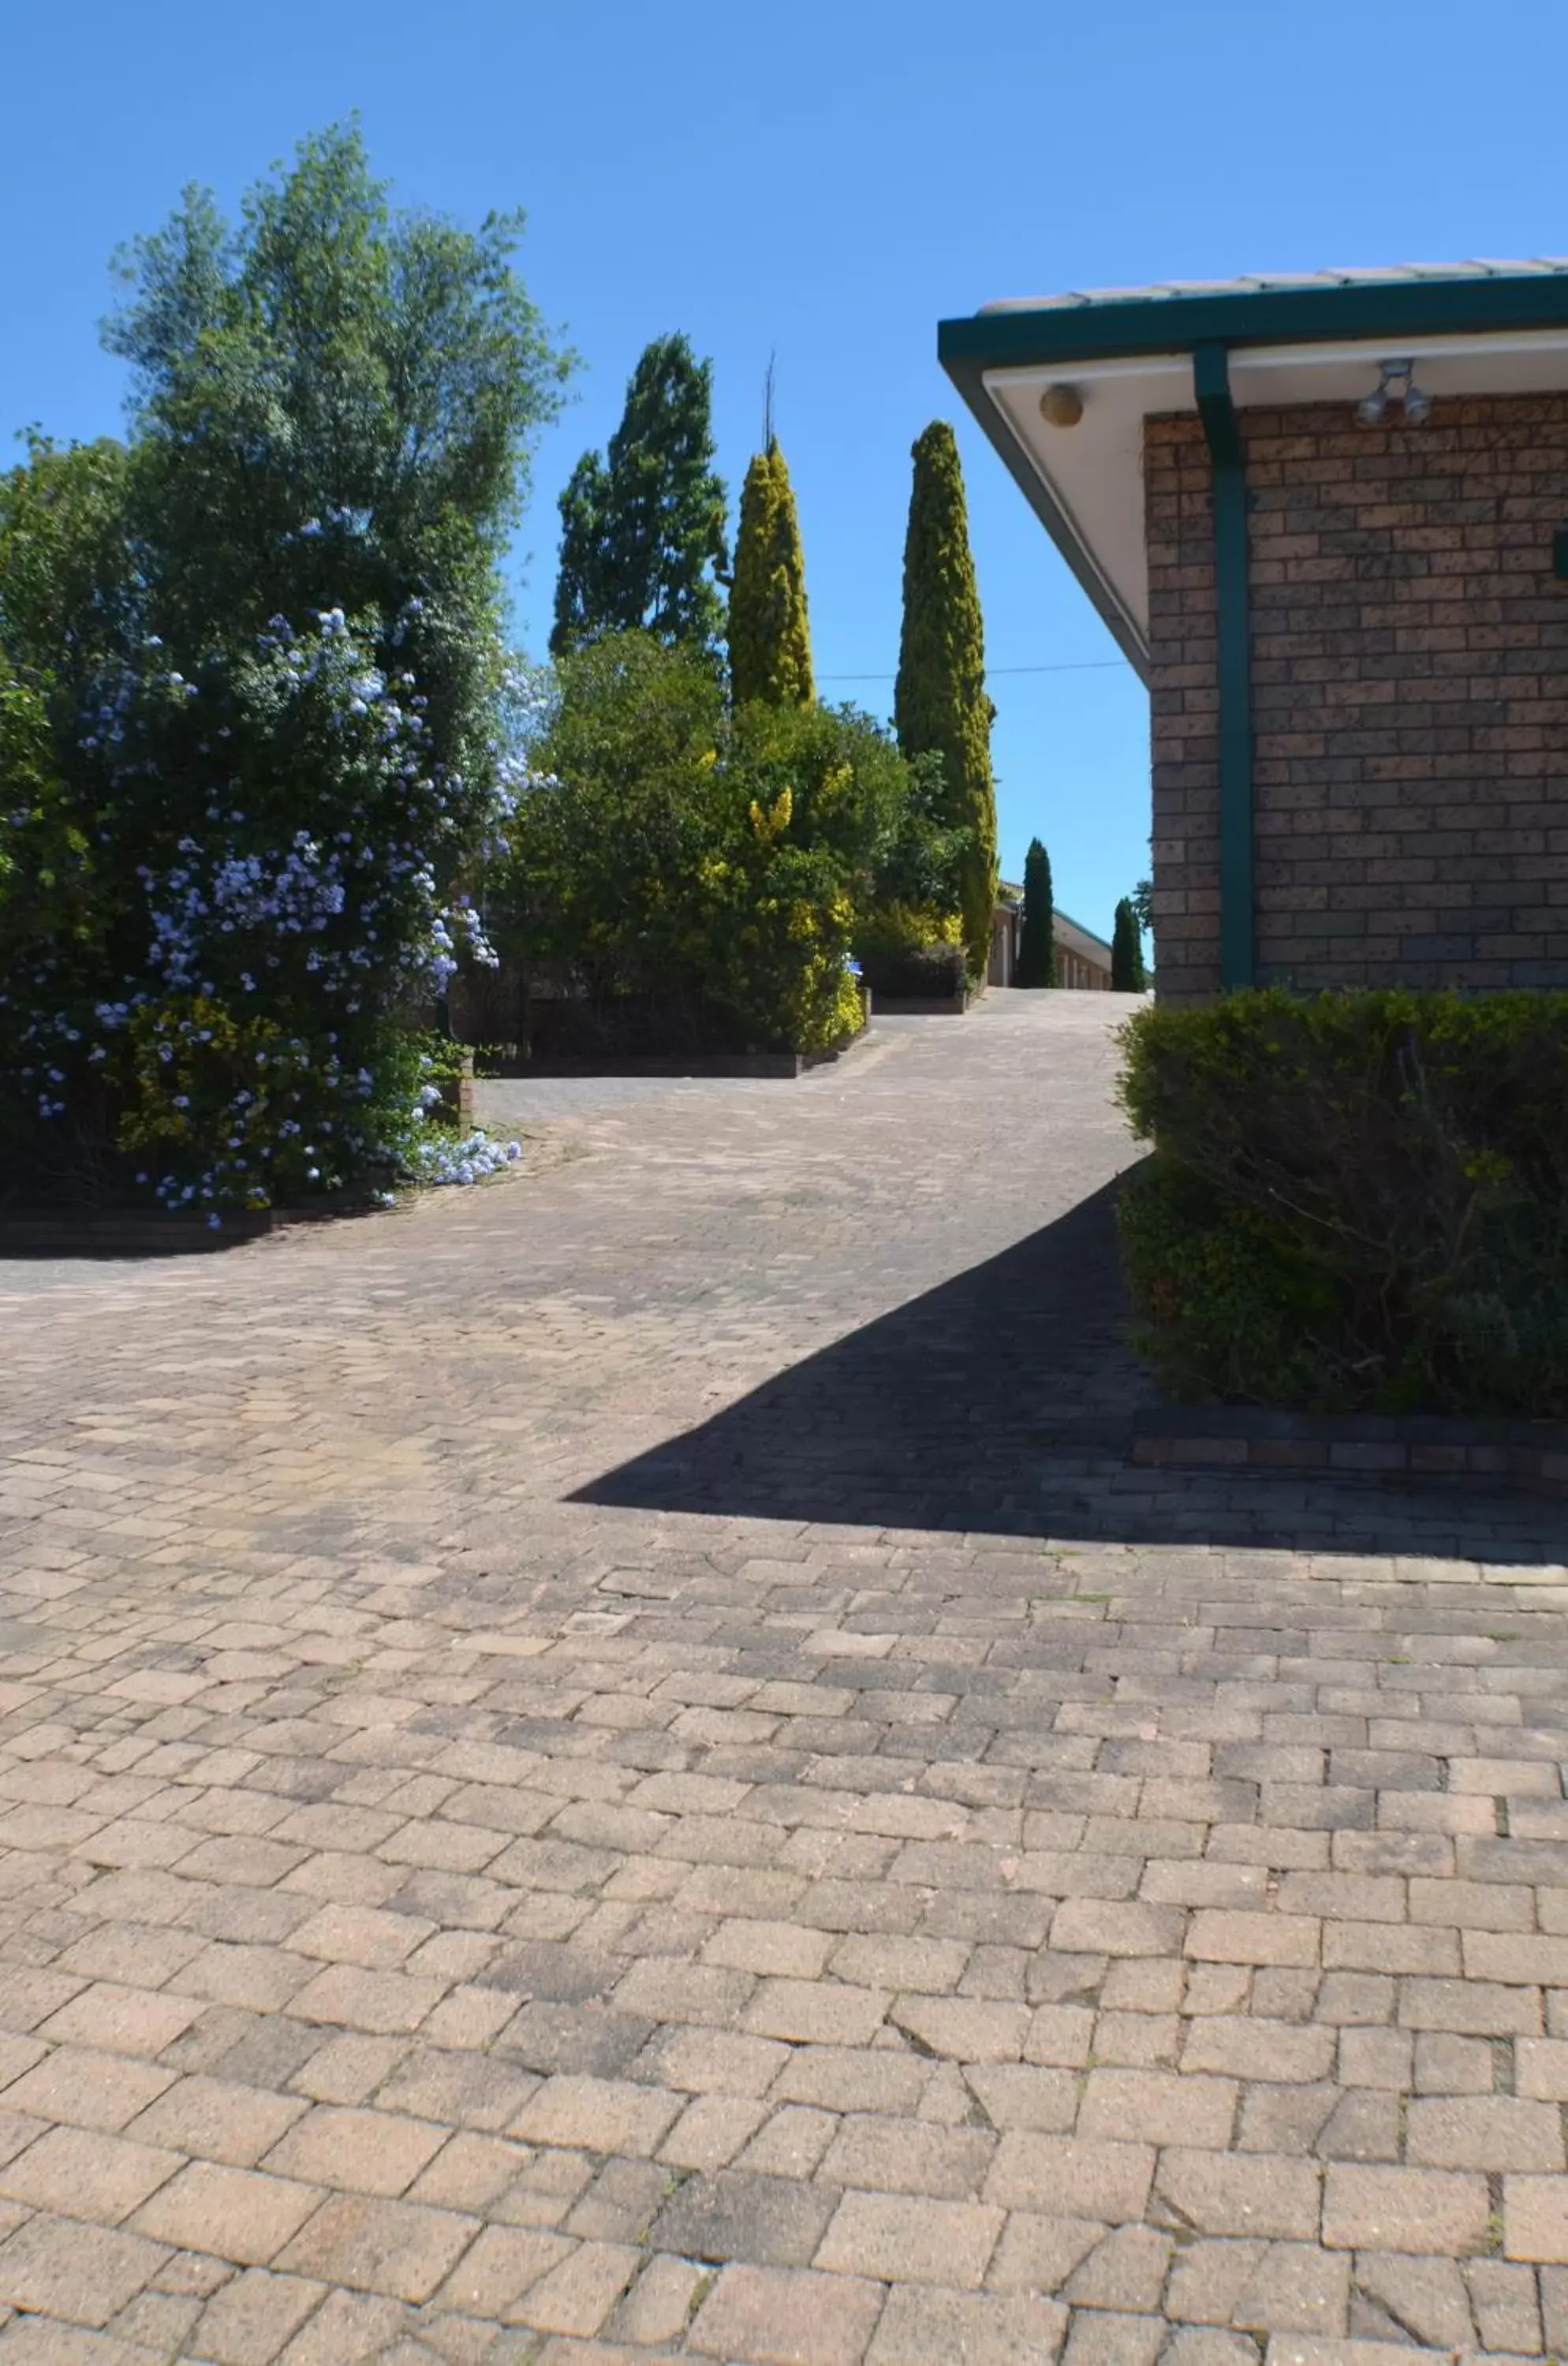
{"type": "Point", "coordinates": [1001, 1404]}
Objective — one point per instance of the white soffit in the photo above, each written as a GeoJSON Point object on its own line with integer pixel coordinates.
{"type": "Point", "coordinates": [1093, 471]}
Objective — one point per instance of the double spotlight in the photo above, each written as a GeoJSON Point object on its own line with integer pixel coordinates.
{"type": "Point", "coordinates": [1397, 386]}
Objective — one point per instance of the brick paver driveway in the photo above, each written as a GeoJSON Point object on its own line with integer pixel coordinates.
{"type": "Point", "coordinates": [613, 1767]}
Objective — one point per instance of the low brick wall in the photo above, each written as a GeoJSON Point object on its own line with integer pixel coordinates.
{"type": "Point", "coordinates": [1526, 1454]}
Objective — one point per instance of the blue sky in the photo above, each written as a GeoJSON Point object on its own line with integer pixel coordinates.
{"type": "Point", "coordinates": [825, 182]}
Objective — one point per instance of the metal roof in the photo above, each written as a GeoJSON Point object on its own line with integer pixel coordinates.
{"type": "Point", "coordinates": [1272, 283]}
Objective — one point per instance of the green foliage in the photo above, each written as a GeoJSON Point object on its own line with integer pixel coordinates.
{"type": "Point", "coordinates": [1128, 974]}
{"type": "Point", "coordinates": [940, 701]}
{"type": "Point", "coordinates": [251, 690]}
{"type": "Point", "coordinates": [1143, 903]}
{"type": "Point", "coordinates": [643, 531]}
{"type": "Point", "coordinates": [1037, 950]}
{"type": "Point", "coordinates": [770, 641]}
{"type": "Point", "coordinates": [1358, 1201]}
{"type": "Point", "coordinates": [696, 870]}
{"type": "Point", "coordinates": [334, 408]}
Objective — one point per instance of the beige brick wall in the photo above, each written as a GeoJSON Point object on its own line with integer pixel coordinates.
{"type": "Point", "coordinates": [1410, 697]}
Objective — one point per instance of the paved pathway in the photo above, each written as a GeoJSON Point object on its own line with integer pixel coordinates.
{"type": "Point", "coordinates": [613, 1767]}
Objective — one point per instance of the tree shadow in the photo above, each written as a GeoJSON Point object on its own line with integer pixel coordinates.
{"type": "Point", "coordinates": [1001, 1404]}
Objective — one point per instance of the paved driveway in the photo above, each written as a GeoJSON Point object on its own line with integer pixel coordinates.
{"type": "Point", "coordinates": [614, 1767]}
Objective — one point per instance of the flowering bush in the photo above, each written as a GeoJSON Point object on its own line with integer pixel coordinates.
{"type": "Point", "coordinates": [256, 724]}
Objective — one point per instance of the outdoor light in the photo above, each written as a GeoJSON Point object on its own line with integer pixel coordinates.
{"type": "Point", "coordinates": [1396, 383]}
{"type": "Point", "coordinates": [1061, 406]}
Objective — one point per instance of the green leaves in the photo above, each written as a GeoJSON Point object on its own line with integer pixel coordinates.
{"type": "Point", "coordinates": [1037, 951]}
{"type": "Point", "coordinates": [770, 641]}
{"type": "Point", "coordinates": [940, 702]}
{"type": "Point", "coordinates": [1357, 1200]}
{"type": "Point", "coordinates": [643, 536]}
{"type": "Point", "coordinates": [1127, 973]}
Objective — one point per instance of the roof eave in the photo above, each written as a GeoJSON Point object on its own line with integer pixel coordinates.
{"type": "Point", "coordinates": [1037, 335]}
{"type": "Point", "coordinates": [969, 378]}
{"type": "Point", "coordinates": [1047, 335]}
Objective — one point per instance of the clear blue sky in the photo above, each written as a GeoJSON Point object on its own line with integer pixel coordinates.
{"type": "Point", "coordinates": [825, 181]}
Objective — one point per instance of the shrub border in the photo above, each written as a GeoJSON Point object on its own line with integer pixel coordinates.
{"type": "Point", "coordinates": [1529, 1455]}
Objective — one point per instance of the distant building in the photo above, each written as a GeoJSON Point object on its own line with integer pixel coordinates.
{"type": "Point", "coordinates": [1083, 960]}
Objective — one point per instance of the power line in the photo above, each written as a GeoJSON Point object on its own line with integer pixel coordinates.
{"type": "Point", "coordinates": [1085, 665]}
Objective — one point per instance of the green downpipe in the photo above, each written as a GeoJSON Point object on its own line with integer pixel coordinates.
{"type": "Point", "coordinates": [1211, 380]}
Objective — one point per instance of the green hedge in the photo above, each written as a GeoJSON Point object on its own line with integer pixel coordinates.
{"type": "Point", "coordinates": [1356, 1201]}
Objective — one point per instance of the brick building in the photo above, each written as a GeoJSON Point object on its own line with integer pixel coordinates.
{"type": "Point", "coordinates": [1083, 960]}
{"type": "Point", "coordinates": [1327, 519]}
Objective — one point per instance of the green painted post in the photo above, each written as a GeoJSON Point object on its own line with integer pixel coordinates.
{"type": "Point", "coordinates": [1210, 381]}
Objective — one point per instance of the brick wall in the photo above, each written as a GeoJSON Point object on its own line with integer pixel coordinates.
{"type": "Point", "coordinates": [1410, 697]}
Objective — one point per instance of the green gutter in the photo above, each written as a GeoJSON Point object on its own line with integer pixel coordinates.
{"type": "Point", "coordinates": [1212, 386]}
{"type": "Point", "coordinates": [1102, 331]}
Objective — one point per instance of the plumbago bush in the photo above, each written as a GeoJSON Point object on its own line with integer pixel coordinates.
{"type": "Point", "coordinates": [255, 717]}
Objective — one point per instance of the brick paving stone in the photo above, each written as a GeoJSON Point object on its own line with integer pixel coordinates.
{"type": "Point", "coordinates": [237, 2214]}
{"type": "Point", "coordinates": [86, 2174]}
{"type": "Point", "coordinates": [248, 2321]}
{"type": "Point", "coordinates": [1405, 2210]}
{"type": "Point", "coordinates": [546, 1740]}
{"type": "Point", "coordinates": [1535, 2218]}
{"type": "Point", "coordinates": [60, 2268]}
{"type": "Point", "coordinates": [908, 2239]}
{"type": "Point", "coordinates": [768, 2317]}
{"type": "Point", "coordinates": [936, 2329]}
{"type": "Point", "coordinates": [401, 2249]}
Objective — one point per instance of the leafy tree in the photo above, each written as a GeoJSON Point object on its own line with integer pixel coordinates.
{"type": "Point", "coordinates": [770, 641]}
{"type": "Point", "coordinates": [643, 531]}
{"type": "Point", "coordinates": [1127, 972]}
{"type": "Point", "coordinates": [697, 869]}
{"type": "Point", "coordinates": [1037, 950]}
{"type": "Point", "coordinates": [940, 701]}
{"type": "Point", "coordinates": [265, 642]}
{"type": "Point", "coordinates": [1142, 902]}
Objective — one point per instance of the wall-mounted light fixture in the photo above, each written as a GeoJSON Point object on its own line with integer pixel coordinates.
{"type": "Point", "coordinates": [1061, 406]}
{"type": "Point", "coordinates": [1396, 383]}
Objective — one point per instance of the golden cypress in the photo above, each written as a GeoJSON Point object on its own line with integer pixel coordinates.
{"type": "Point", "coordinates": [770, 642]}
{"type": "Point", "coordinates": [940, 702]}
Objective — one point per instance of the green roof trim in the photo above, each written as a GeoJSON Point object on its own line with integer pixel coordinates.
{"type": "Point", "coordinates": [1114, 325]}
{"type": "Point", "coordinates": [1479, 300]}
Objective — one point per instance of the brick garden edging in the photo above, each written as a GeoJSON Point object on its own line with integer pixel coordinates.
{"type": "Point", "coordinates": [1533, 1455]}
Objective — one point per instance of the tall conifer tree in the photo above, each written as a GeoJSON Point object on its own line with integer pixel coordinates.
{"type": "Point", "coordinates": [1127, 973]}
{"type": "Point", "coordinates": [939, 700]}
{"type": "Point", "coordinates": [643, 530]}
{"type": "Point", "coordinates": [1037, 950]}
{"type": "Point", "coordinates": [770, 641]}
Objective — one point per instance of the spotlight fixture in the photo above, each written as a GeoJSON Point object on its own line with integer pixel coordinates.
{"type": "Point", "coordinates": [1396, 383]}
{"type": "Point", "coordinates": [1061, 406]}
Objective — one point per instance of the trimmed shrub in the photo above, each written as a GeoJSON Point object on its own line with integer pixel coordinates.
{"type": "Point", "coordinates": [1356, 1203]}
{"type": "Point", "coordinates": [925, 973]}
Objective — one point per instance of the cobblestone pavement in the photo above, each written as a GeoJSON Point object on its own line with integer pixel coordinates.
{"type": "Point", "coordinates": [615, 1767]}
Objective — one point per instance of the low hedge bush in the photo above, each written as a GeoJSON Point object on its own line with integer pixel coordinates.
{"type": "Point", "coordinates": [924, 972]}
{"type": "Point", "coordinates": [1356, 1201]}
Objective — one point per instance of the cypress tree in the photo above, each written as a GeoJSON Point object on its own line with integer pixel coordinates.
{"type": "Point", "coordinates": [643, 530]}
{"type": "Point", "coordinates": [1127, 973]}
{"type": "Point", "coordinates": [770, 641]}
{"type": "Point", "coordinates": [939, 700]}
{"type": "Point", "coordinates": [1037, 949]}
